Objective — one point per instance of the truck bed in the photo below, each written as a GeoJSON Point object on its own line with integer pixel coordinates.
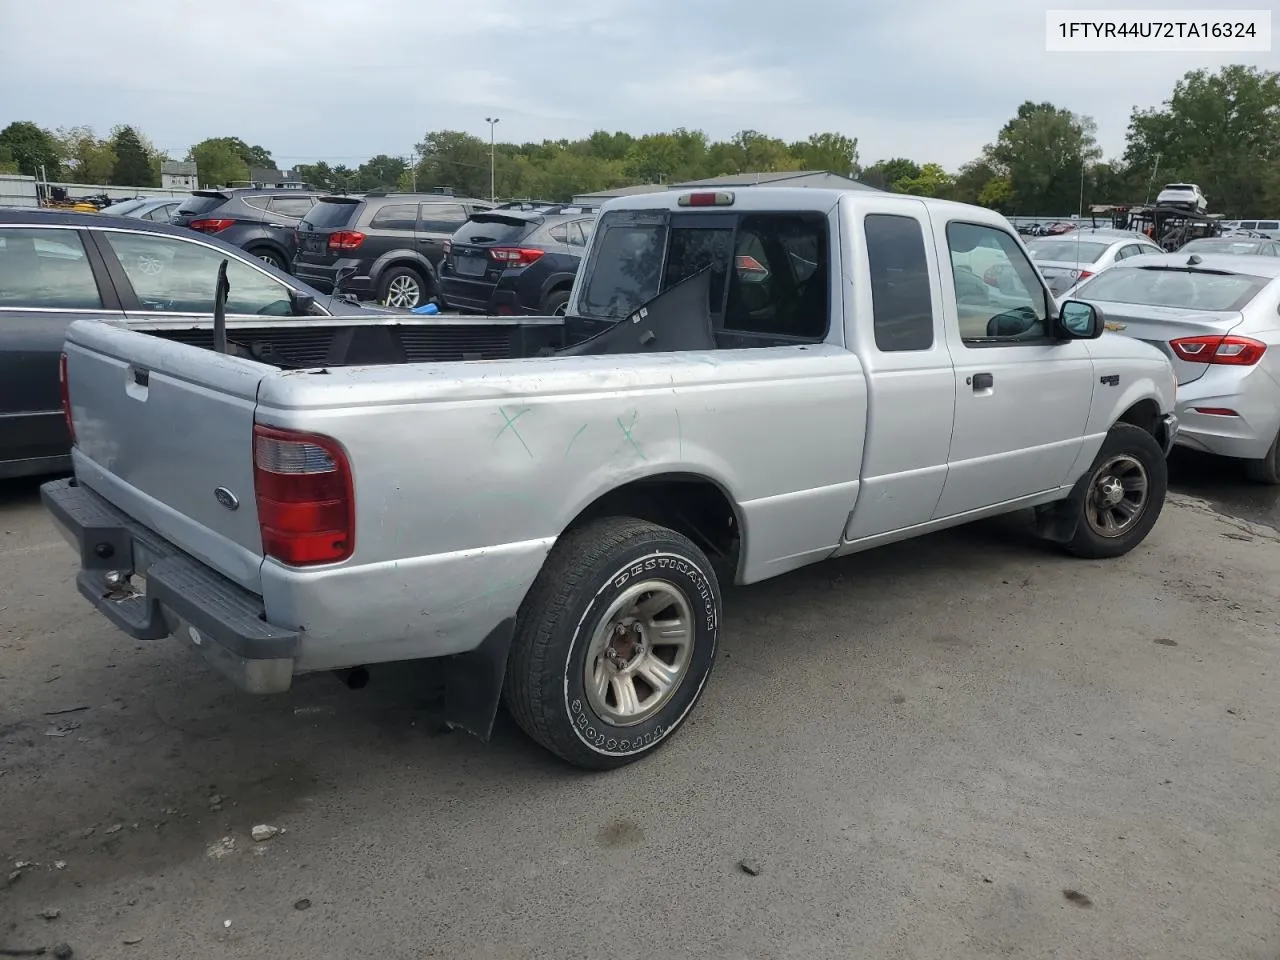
{"type": "Point", "coordinates": [361, 340]}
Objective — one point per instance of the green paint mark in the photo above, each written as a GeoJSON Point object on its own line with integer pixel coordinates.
{"type": "Point", "coordinates": [511, 425]}
{"type": "Point", "coordinates": [573, 440]}
{"type": "Point", "coordinates": [626, 432]}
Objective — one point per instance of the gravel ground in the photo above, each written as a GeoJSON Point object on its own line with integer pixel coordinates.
{"type": "Point", "coordinates": [967, 746]}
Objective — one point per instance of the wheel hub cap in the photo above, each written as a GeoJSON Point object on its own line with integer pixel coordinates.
{"type": "Point", "coordinates": [1117, 497]}
{"type": "Point", "coordinates": [1110, 491]}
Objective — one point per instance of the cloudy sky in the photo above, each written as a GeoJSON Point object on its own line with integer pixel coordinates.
{"type": "Point", "coordinates": [339, 81]}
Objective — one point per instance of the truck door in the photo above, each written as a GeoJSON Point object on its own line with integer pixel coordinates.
{"type": "Point", "coordinates": [1022, 398]}
{"type": "Point", "coordinates": [899, 337]}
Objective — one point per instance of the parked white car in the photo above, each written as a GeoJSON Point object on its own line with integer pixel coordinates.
{"type": "Point", "coordinates": [1066, 260]}
{"type": "Point", "coordinates": [1185, 195]}
{"type": "Point", "coordinates": [1214, 316]}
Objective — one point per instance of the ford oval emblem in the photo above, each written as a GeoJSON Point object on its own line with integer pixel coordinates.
{"type": "Point", "coordinates": [226, 498]}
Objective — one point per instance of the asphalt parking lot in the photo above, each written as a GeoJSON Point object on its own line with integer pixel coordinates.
{"type": "Point", "coordinates": [965, 746]}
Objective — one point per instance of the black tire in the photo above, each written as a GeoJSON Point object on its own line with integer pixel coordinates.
{"type": "Point", "coordinates": [588, 570]}
{"type": "Point", "coordinates": [1124, 447]}
{"type": "Point", "coordinates": [555, 303]}
{"type": "Point", "coordinates": [1266, 470]}
{"type": "Point", "coordinates": [268, 255]}
{"type": "Point", "coordinates": [387, 282]}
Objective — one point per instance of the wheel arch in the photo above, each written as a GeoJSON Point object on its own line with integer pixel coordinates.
{"type": "Point", "coordinates": [404, 258]}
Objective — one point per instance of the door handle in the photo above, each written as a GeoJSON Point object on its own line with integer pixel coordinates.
{"type": "Point", "coordinates": [982, 381]}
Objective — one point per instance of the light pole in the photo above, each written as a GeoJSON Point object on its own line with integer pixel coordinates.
{"type": "Point", "coordinates": [492, 122]}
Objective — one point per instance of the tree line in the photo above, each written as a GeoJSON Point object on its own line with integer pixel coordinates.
{"type": "Point", "coordinates": [1220, 130]}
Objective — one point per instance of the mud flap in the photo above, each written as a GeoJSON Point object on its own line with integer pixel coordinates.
{"type": "Point", "coordinates": [1057, 522]}
{"type": "Point", "coordinates": [473, 682]}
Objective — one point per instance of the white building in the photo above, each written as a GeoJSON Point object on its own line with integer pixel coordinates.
{"type": "Point", "coordinates": [178, 175]}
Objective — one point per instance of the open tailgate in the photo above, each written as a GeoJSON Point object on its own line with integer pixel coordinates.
{"type": "Point", "coordinates": [164, 431]}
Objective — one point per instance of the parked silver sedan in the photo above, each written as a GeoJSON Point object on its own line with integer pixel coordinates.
{"type": "Point", "coordinates": [1066, 260]}
{"type": "Point", "coordinates": [1218, 320]}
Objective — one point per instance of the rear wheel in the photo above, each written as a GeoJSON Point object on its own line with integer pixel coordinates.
{"type": "Point", "coordinates": [1266, 470]}
{"type": "Point", "coordinates": [555, 303]}
{"type": "Point", "coordinates": [614, 643]}
{"type": "Point", "coordinates": [402, 287]}
{"type": "Point", "coordinates": [1121, 496]}
{"type": "Point", "coordinates": [267, 255]}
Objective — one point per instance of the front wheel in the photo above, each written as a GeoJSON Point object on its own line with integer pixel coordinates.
{"type": "Point", "coordinates": [614, 643]}
{"type": "Point", "coordinates": [1121, 496]}
{"type": "Point", "coordinates": [267, 255]}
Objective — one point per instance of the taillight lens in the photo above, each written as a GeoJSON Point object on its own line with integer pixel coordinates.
{"type": "Point", "coordinates": [1081, 274]}
{"type": "Point", "coordinates": [1226, 350]}
{"type": "Point", "coordinates": [515, 256]}
{"type": "Point", "coordinates": [211, 224]}
{"type": "Point", "coordinates": [65, 388]}
{"type": "Point", "coordinates": [345, 240]}
{"type": "Point", "coordinates": [306, 504]}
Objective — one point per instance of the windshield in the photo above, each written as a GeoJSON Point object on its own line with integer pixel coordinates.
{"type": "Point", "coordinates": [123, 207]}
{"type": "Point", "coordinates": [1221, 246]}
{"type": "Point", "coordinates": [1172, 287]}
{"type": "Point", "coordinates": [1070, 251]}
{"type": "Point", "coordinates": [331, 213]}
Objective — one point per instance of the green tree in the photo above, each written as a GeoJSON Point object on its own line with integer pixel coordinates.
{"type": "Point", "coordinates": [931, 181]}
{"type": "Point", "coordinates": [883, 174]}
{"type": "Point", "coordinates": [7, 163]}
{"type": "Point", "coordinates": [319, 175]}
{"type": "Point", "coordinates": [380, 173]}
{"type": "Point", "coordinates": [217, 163]}
{"type": "Point", "coordinates": [451, 158]}
{"type": "Point", "coordinates": [997, 193]}
{"type": "Point", "coordinates": [86, 157]}
{"type": "Point", "coordinates": [1219, 130]}
{"type": "Point", "coordinates": [31, 148]}
{"type": "Point", "coordinates": [971, 179]}
{"type": "Point", "coordinates": [833, 152]}
{"type": "Point", "coordinates": [133, 164]}
{"type": "Point", "coordinates": [1043, 151]}
{"type": "Point", "coordinates": [667, 157]}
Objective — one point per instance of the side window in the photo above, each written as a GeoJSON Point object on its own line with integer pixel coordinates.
{"type": "Point", "coordinates": [395, 216]}
{"type": "Point", "coordinates": [293, 207]}
{"type": "Point", "coordinates": [1248, 224]}
{"type": "Point", "coordinates": [1132, 250]}
{"type": "Point", "coordinates": [441, 217]}
{"type": "Point", "coordinates": [1269, 225]}
{"type": "Point", "coordinates": [902, 306]}
{"type": "Point", "coordinates": [171, 275]}
{"type": "Point", "coordinates": [588, 228]}
{"type": "Point", "coordinates": [258, 202]}
{"type": "Point", "coordinates": [780, 282]}
{"type": "Point", "coordinates": [45, 268]}
{"type": "Point", "coordinates": [579, 232]}
{"type": "Point", "coordinates": [560, 233]}
{"type": "Point", "coordinates": [1014, 307]}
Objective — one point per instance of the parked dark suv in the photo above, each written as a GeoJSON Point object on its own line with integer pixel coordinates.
{"type": "Point", "coordinates": [388, 243]}
{"type": "Point", "coordinates": [260, 222]}
{"type": "Point", "coordinates": [515, 261]}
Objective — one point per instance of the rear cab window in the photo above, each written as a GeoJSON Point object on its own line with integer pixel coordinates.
{"type": "Point", "coordinates": [770, 272]}
{"type": "Point", "coordinates": [901, 294]}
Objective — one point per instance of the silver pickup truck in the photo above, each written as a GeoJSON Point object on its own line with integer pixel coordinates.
{"type": "Point", "coordinates": [744, 383]}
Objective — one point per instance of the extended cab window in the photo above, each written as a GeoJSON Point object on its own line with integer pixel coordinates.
{"type": "Point", "coordinates": [45, 268]}
{"type": "Point", "coordinates": [780, 285]}
{"type": "Point", "coordinates": [902, 306]}
{"type": "Point", "coordinates": [1008, 303]}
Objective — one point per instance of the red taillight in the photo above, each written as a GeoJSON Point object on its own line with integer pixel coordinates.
{"type": "Point", "coordinates": [1082, 275]}
{"type": "Point", "coordinates": [306, 505]}
{"type": "Point", "coordinates": [1227, 350]}
{"type": "Point", "coordinates": [515, 256]}
{"type": "Point", "coordinates": [345, 239]}
{"type": "Point", "coordinates": [211, 225]}
{"type": "Point", "coordinates": [65, 387]}
{"type": "Point", "coordinates": [1217, 411]}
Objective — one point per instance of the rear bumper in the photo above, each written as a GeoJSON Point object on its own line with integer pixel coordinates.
{"type": "Point", "coordinates": [178, 595]}
{"type": "Point", "coordinates": [1254, 397]}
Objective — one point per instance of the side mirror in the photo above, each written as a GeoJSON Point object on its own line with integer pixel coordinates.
{"type": "Point", "coordinates": [301, 303]}
{"type": "Point", "coordinates": [1078, 320]}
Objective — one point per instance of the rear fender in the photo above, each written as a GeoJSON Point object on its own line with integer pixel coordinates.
{"type": "Point", "coordinates": [403, 258]}
{"type": "Point", "coordinates": [557, 281]}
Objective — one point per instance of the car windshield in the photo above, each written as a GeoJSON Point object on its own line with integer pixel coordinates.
{"type": "Point", "coordinates": [123, 207]}
{"type": "Point", "coordinates": [1221, 246]}
{"type": "Point", "coordinates": [1070, 251]}
{"type": "Point", "coordinates": [1180, 287]}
